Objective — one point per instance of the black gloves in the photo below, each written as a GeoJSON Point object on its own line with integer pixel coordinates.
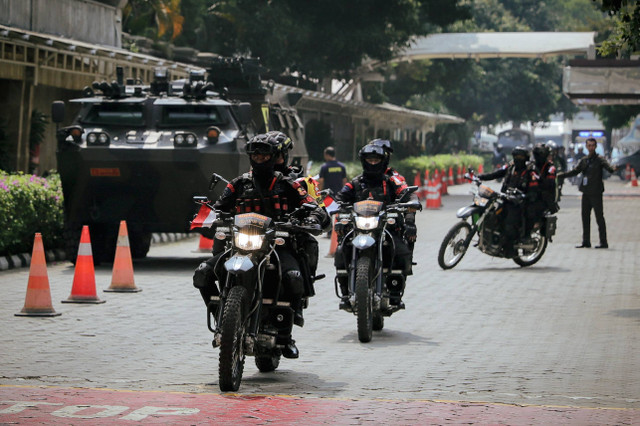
{"type": "Point", "coordinates": [410, 232]}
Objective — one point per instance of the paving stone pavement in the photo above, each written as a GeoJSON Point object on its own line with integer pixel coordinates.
{"type": "Point", "coordinates": [563, 332]}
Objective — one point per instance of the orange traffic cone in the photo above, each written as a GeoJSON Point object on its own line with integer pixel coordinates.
{"type": "Point", "coordinates": [334, 239]}
{"type": "Point", "coordinates": [425, 185]}
{"type": "Point", "coordinates": [627, 172]}
{"type": "Point", "coordinates": [443, 184]}
{"type": "Point", "coordinates": [122, 276]}
{"type": "Point", "coordinates": [84, 278]}
{"type": "Point", "coordinates": [451, 181]}
{"type": "Point", "coordinates": [205, 245]}
{"type": "Point", "coordinates": [634, 179]}
{"type": "Point", "coordinates": [37, 303]}
{"type": "Point", "coordinates": [416, 182]}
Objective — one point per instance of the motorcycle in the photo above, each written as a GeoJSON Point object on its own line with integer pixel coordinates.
{"type": "Point", "coordinates": [484, 219]}
{"type": "Point", "coordinates": [372, 283]}
{"type": "Point", "coordinates": [249, 316]}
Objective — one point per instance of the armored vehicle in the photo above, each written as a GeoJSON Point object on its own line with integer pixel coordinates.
{"type": "Point", "coordinates": [139, 152]}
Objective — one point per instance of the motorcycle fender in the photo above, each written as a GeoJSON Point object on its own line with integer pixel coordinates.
{"type": "Point", "coordinates": [238, 264]}
{"type": "Point", "coordinates": [465, 212]}
{"type": "Point", "coordinates": [363, 241]}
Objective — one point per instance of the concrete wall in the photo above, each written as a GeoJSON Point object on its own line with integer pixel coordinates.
{"type": "Point", "coordinates": [84, 20]}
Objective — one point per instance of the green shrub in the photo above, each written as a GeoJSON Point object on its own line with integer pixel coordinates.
{"type": "Point", "coordinates": [29, 204]}
{"type": "Point", "coordinates": [409, 166]}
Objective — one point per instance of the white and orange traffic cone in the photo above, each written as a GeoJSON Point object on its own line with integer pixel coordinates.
{"type": "Point", "coordinates": [334, 238]}
{"type": "Point", "coordinates": [84, 277]}
{"type": "Point", "coordinates": [634, 179]}
{"type": "Point", "coordinates": [205, 245]}
{"type": "Point", "coordinates": [37, 302]}
{"type": "Point", "coordinates": [122, 280]}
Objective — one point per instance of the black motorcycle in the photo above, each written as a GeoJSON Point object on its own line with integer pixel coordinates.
{"type": "Point", "coordinates": [374, 288]}
{"type": "Point", "coordinates": [249, 316]}
{"type": "Point", "coordinates": [484, 219]}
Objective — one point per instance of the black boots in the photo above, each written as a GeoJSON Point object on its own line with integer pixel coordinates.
{"type": "Point", "coordinates": [290, 350]}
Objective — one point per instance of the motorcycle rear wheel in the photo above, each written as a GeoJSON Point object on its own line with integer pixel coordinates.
{"type": "Point", "coordinates": [231, 363]}
{"type": "Point", "coordinates": [453, 247]}
{"type": "Point", "coordinates": [528, 259]}
{"type": "Point", "coordinates": [364, 300]}
{"type": "Point", "coordinates": [378, 321]}
{"type": "Point", "coordinates": [267, 363]}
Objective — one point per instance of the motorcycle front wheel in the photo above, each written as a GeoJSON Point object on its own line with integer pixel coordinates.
{"type": "Point", "coordinates": [364, 300]}
{"type": "Point", "coordinates": [454, 245]}
{"type": "Point", "coordinates": [232, 331]}
{"type": "Point", "coordinates": [528, 258]}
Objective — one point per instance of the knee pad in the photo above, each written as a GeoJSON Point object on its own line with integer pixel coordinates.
{"type": "Point", "coordinates": [204, 276]}
{"type": "Point", "coordinates": [295, 281]}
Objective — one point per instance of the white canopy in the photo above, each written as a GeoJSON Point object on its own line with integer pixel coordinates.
{"type": "Point", "coordinates": [501, 45]}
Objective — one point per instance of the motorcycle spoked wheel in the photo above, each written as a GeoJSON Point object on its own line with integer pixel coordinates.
{"type": "Point", "coordinates": [232, 330]}
{"type": "Point", "coordinates": [267, 363]}
{"type": "Point", "coordinates": [453, 245]}
{"type": "Point", "coordinates": [364, 300]}
{"type": "Point", "coordinates": [529, 258]}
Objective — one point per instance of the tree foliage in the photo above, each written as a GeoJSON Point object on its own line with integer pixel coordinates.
{"type": "Point", "coordinates": [624, 39]}
{"type": "Point", "coordinates": [324, 38]}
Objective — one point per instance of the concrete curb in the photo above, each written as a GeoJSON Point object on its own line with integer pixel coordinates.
{"type": "Point", "coordinates": [23, 260]}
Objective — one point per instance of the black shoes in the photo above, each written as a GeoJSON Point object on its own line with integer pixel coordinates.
{"type": "Point", "coordinates": [603, 246]}
{"type": "Point", "coordinates": [290, 350]}
{"type": "Point", "coordinates": [584, 245]}
{"type": "Point", "coordinates": [298, 319]}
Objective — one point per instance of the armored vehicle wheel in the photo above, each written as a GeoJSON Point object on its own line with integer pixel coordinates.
{"type": "Point", "coordinates": [364, 300]}
{"type": "Point", "coordinates": [267, 363]}
{"type": "Point", "coordinates": [231, 364]}
{"type": "Point", "coordinates": [139, 243]}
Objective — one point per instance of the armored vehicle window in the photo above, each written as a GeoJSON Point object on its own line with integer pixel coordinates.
{"type": "Point", "coordinates": [115, 114]}
{"type": "Point", "coordinates": [185, 115]}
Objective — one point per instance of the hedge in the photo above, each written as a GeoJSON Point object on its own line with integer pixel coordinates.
{"type": "Point", "coordinates": [29, 204]}
{"type": "Point", "coordinates": [410, 166]}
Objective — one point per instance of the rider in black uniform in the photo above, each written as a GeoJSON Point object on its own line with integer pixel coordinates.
{"type": "Point", "coordinates": [268, 192]}
{"type": "Point", "coordinates": [378, 183]}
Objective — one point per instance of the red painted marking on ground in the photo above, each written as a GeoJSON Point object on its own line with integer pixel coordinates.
{"type": "Point", "coordinates": [63, 406]}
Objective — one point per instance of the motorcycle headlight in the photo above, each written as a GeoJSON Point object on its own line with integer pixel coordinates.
{"type": "Point", "coordinates": [367, 223]}
{"type": "Point", "coordinates": [480, 201]}
{"type": "Point", "coordinates": [248, 242]}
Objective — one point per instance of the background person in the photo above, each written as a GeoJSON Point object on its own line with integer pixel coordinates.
{"type": "Point", "coordinates": [333, 174]}
{"type": "Point", "coordinates": [592, 187]}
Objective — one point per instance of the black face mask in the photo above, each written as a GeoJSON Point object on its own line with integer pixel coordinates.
{"type": "Point", "coordinates": [263, 171]}
{"type": "Point", "coordinates": [540, 159]}
{"type": "Point", "coordinates": [520, 163]}
{"type": "Point", "coordinates": [373, 171]}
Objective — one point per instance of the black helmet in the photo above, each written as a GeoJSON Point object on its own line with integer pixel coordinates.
{"type": "Point", "coordinates": [520, 156]}
{"type": "Point", "coordinates": [541, 153]}
{"type": "Point", "coordinates": [263, 144]}
{"type": "Point", "coordinates": [284, 144]}
{"type": "Point", "coordinates": [373, 151]}
{"type": "Point", "coordinates": [385, 144]}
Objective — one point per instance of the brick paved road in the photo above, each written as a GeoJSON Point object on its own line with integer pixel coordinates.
{"type": "Point", "coordinates": [564, 332]}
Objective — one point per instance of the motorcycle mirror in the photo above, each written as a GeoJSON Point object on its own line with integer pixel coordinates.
{"type": "Point", "coordinates": [215, 178]}
{"type": "Point", "coordinates": [406, 192]}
